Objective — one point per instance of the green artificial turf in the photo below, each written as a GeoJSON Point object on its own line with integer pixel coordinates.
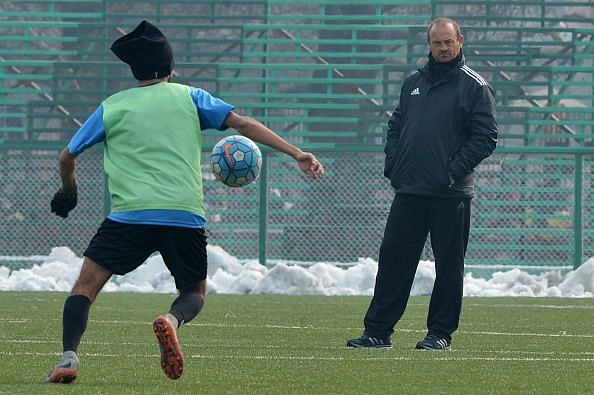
{"type": "Point", "coordinates": [296, 344]}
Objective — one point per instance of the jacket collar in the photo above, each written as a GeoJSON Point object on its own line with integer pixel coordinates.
{"type": "Point", "coordinates": [426, 69]}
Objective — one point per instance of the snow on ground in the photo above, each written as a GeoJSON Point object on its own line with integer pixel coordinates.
{"type": "Point", "coordinates": [228, 275]}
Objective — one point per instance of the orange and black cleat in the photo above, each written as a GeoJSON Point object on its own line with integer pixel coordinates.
{"type": "Point", "coordinates": [172, 360]}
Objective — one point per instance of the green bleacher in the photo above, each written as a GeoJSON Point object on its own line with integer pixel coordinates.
{"type": "Point", "coordinates": [531, 66]}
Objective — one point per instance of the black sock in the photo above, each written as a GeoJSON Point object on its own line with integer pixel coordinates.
{"type": "Point", "coordinates": [186, 307]}
{"type": "Point", "coordinates": [74, 321]}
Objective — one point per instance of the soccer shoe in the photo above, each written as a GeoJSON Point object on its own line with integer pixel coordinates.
{"type": "Point", "coordinates": [370, 342]}
{"type": "Point", "coordinates": [172, 360]}
{"type": "Point", "coordinates": [66, 370]}
{"type": "Point", "coordinates": [432, 342]}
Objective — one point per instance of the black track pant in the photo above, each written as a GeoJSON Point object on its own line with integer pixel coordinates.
{"type": "Point", "coordinates": [411, 218]}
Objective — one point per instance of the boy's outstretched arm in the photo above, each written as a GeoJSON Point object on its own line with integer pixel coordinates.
{"type": "Point", "coordinates": [258, 132]}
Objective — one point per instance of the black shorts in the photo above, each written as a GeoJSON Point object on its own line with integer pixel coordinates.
{"type": "Point", "coordinates": [121, 248]}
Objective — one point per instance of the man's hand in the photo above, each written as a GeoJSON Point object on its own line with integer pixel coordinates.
{"type": "Point", "coordinates": [64, 201]}
{"type": "Point", "coordinates": [310, 165]}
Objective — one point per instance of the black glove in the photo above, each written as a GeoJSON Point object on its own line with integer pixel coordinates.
{"type": "Point", "coordinates": [64, 200]}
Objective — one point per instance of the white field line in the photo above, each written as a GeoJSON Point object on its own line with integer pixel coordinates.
{"type": "Point", "coordinates": [227, 345]}
{"type": "Point", "coordinates": [539, 306]}
{"type": "Point", "coordinates": [357, 356]}
{"type": "Point", "coordinates": [560, 334]}
{"type": "Point", "coordinates": [300, 327]}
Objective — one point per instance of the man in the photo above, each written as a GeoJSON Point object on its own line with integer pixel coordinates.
{"type": "Point", "coordinates": [152, 145]}
{"type": "Point", "coordinates": [443, 127]}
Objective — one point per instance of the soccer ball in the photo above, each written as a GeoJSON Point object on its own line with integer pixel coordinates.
{"type": "Point", "coordinates": [236, 161]}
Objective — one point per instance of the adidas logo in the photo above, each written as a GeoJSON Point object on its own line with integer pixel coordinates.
{"type": "Point", "coordinates": [415, 92]}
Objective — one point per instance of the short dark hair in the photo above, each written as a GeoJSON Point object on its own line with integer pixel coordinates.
{"type": "Point", "coordinates": [439, 21]}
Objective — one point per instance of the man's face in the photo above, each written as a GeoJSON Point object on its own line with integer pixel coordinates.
{"type": "Point", "coordinates": [444, 44]}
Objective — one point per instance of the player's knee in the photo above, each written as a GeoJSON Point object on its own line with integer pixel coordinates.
{"type": "Point", "coordinates": [196, 287]}
{"type": "Point", "coordinates": [91, 280]}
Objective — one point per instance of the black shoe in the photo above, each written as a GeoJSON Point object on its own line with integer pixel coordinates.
{"type": "Point", "coordinates": [370, 342]}
{"type": "Point", "coordinates": [432, 342]}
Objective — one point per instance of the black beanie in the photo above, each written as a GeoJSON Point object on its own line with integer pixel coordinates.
{"type": "Point", "coordinates": [146, 50]}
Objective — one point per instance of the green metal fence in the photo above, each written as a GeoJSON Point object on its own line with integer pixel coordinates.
{"type": "Point", "coordinates": [533, 208]}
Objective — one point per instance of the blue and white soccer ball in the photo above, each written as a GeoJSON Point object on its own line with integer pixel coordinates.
{"type": "Point", "coordinates": [236, 161]}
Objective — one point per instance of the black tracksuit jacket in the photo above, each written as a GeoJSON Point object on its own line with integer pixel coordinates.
{"type": "Point", "coordinates": [440, 129]}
